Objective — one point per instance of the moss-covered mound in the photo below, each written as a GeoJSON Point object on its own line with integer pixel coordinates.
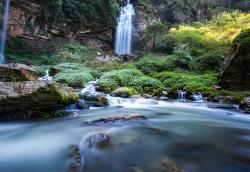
{"type": "Point", "coordinates": [74, 75]}
{"type": "Point", "coordinates": [243, 37]}
{"type": "Point", "coordinates": [133, 78]}
{"type": "Point", "coordinates": [203, 83]}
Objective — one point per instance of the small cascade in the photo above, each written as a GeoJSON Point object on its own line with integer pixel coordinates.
{"type": "Point", "coordinates": [182, 96]}
{"type": "Point", "coordinates": [124, 30]}
{"type": "Point", "coordinates": [198, 97]}
{"type": "Point", "coordinates": [46, 77]}
{"type": "Point", "coordinates": [90, 88]}
{"type": "Point", "coordinates": [3, 33]}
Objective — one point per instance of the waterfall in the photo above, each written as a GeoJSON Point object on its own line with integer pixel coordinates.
{"type": "Point", "coordinates": [124, 30]}
{"type": "Point", "coordinates": [182, 96]}
{"type": "Point", "coordinates": [46, 77]}
{"type": "Point", "coordinates": [6, 6]}
{"type": "Point", "coordinates": [198, 97]}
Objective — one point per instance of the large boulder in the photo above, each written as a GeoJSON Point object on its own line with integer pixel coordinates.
{"type": "Point", "coordinates": [21, 100]}
{"type": "Point", "coordinates": [94, 100]}
{"type": "Point", "coordinates": [236, 71]}
{"type": "Point", "coordinates": [16, 73]}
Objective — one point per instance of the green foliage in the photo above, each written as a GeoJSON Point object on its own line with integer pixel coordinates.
{"type": "Point", "coordinates": [154, 62]}
{"type": "Point", "coordinates": [209, 62]}
{"type": "Point", "coordinates": [203, 83]}
{"type": "Point", "coordinates": [74, 75]}
{"type": "Point", "coordinates": [110, 81]}
{"type": "Point", "coordinates": [83, 11]}
{"type": "Point", "coordinates": [71, 52]}
{"type": "Point", "coordinates": [243, 37]}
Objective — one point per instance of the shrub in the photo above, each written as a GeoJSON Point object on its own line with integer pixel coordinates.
{"type": "Point", "coordinates": [133, 78]}
{"type": "Point", "coordinates": [74, 78]}
{"type": "Point", "coordinates": [203, 83]}
{"type": "Point", "coordinates": [74, 52]}
{"type": "Point", "coordinates": [150, 63]}
{"type": "Point", "coordinates": [210, 62]}
{"type": "Point", "coordinates": [146, 85]}
{"type": "Point", "coordinates": [73, 74]}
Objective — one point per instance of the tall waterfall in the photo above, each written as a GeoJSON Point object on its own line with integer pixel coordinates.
{"type": "Point", "coordinates": [3, 34]}
{"type": "Point", "coordinates": [124, 30]}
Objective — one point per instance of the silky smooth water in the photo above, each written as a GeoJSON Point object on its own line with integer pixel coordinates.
{"type": "Point", "coordinates": [196, 137]}
{"type": "Point", "coordinates": [123, 42]}
{"type": "Point", "coordinates": [3, 33]}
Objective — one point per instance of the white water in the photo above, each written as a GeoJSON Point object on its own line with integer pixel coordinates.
{"type": "Point", "coordinates": [90, 87]}
{"type": "Point", "coordinates": [123, 43]}
{"type": "Point", "coordinates": [198, 97]}
{"type": "Point", "coordinates": [46, 77]}
{"type": "Point", "coordinates": [182, 96]}
{"type": "Point", "coordinates": [3, 33]}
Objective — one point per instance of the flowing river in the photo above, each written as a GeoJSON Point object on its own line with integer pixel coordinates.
{"type": "Point", "coordinates": [196, 136]}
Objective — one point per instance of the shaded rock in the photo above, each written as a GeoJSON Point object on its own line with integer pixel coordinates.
{"type": "Point", "coordinates": [98, 140]}
{"type": "Point", "coordinates": [164, 98]}
{"type": "Point", "coordinates": [76, 159]}
{"type": "Point", "coordinates": [119, 118]}
{"type": "Point", "coordinates": [135, 169]}
{"type": "Point", "coordinates": [224, 99]}
{"type": "Point", "coordinates": [82, 104]}
{"type": "Point", "coordinates": [236, 71]}
{"type": "Point", "coordinates": [54, 70]}
{"type": "Point", "coordinates": [245, 104]}
{"type": "Point", "coordinates": [166, 165]}
{"type": "Point", "coordinates": [95, 100]}
{"type": "Point", "coordinates": [16, 73]}
{"type": "Point", "coordinates": [24, 100]}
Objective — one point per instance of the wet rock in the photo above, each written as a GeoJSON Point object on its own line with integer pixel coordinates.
{"type": "Point", "coordinates": [245, 104]}
{"type": "Point", "coordinates": [82, 104]}
{"type": "Point", "coordinates": [135, 169]}
{"type": "Point", "coordinates": [16, 73]}
{"type": "Point", "coordinates": [24, 100]}
{"type": "Point", "coordinates": [164, 98]}
{"type": "Point", "coordinates": [119, 118]}
{"type": "Point", "coordinates": [76, 159]}
{"type": "Point", "coordinates": [95, 100]}
{"type": "Point", "coordinates": [98, 140]}
{"type": "Point", "coordinates": [224, 99]}
{"type": "Point", "coordinates": [167, 165]}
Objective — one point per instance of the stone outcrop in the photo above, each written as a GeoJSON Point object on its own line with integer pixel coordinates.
{"type": "Point", "coordinates": [16, 73]}
{"type": "Point", "coordinates": [236, 71]}
{"type": "Point", "coordinates": [24, 100]}
{"type": "Point", "coordinates": [245, 104]}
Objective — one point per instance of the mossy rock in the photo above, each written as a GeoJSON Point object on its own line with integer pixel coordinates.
{"type": "Point", "coordinates": [124, 92]}
{"type": "Point", "coordinates": [243, 37]}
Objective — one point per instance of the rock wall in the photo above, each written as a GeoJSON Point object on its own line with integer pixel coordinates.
{"type": "Point", "coordinates": [236, 72]}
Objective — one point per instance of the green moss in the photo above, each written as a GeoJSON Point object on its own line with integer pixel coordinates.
{"type": "Point", "coordinates": [124, 92]}
{"type": "Point", "coordinates": [243, 37]}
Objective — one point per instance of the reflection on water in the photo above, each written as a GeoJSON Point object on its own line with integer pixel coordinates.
{"type": "Point", "coordinates": [195, 137]}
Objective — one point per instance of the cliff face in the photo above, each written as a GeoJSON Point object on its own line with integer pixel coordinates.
{"type": "Point", "coordinates": [27, 25]}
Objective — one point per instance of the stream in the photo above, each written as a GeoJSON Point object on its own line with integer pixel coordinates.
{"type": "Point", "coordinates": [195, 136]}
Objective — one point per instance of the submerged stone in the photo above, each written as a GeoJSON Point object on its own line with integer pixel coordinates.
{"type": "Point", "coordinates": [167, 165]}
{"type": "Point", "coordinates": [98, 140]}
{"type": "Point", "coordinates": [76, 159]}
{"type": "Point", "coordinates": [120, 118]}
{"type": "Point", "coordinates": [135, 169]}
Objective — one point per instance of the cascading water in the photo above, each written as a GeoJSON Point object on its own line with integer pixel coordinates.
{"type": "Point", "coordinates": [124, 30]}
{"type": "Point", "coordinates": [182, 96]}
{"type": "Point", "coordinates": [3, 34]}
{"type": "Point", "coordinates": [198, 97]}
